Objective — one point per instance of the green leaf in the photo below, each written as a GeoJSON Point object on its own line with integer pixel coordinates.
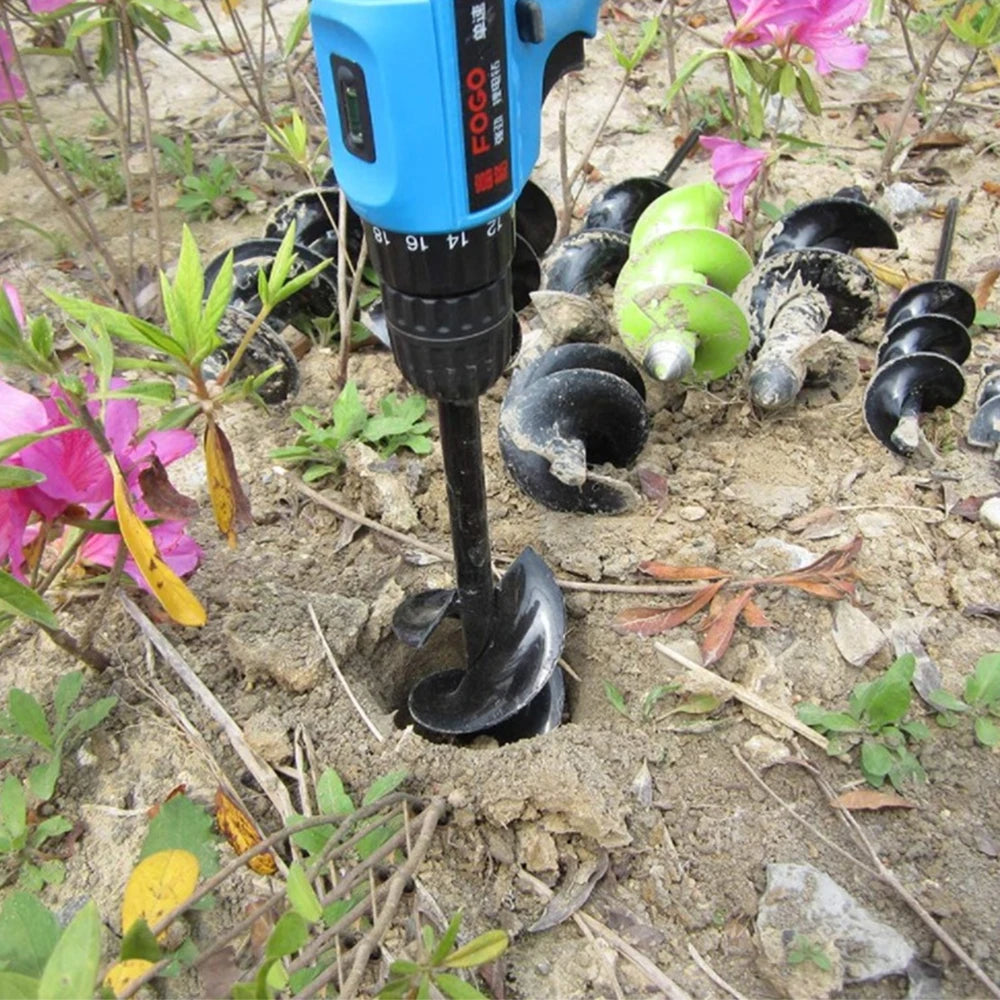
{"type": "Point", "coordinates": [50, 828]}
{"type": "Point", "coordinates": [29, 717]}
{"type": "Point", "coordinates": [71, 971]}
{"type": "Point", "coordinates": [916, 730]}
{"type": "Point", "coordinates": [150, 393]}
{"type": "Point", "coordinates": [987, 317]}
{"type": "Point", "coordinates": [349, 414]}
{"type": "Point", "coordinates": [787, 80]}
{"type": "Point", "coordinates": [67, 691]}
{"type": "Point", "coordinates": [215, 308]}
{"type": "Point", "coordinates": [13, 809]}
{"type": "Point", "coordinates": [686, 72]}
{"type": "Point", "coordinates": [742, 79]}
{"type": "Point", "coordinates": [128, 328]}
{"type": "Point", "coordinates": [11, 446]}
{"type": "Point", "coordinates": [456, 988]}
{"type": "Point", "coordinates": [15, 986]}
{"type": "Point", "coordinates": [290, 933]}
{"type": "Point", "coordinates": [313, 840]}
{"type": "Point", "coordinates": [19, 599]}
{"type": "Point", "coordinates": [301, 895]}
{"type": "Point", "coordinates": [876, 760]}
{"type": "Point", "coordinates": [293, 285]}
{"type": "Point", "coordinates": [183, 824]}
{"type": "Point", "coordinates": [175, 11]}
{"type": "Point", "coordinates": [140, 942]}
{"type": "Point", "coordinates": [945, 701]}
{"type": "Point", "coordinates": [479, 950]}
{"type": "Point", "coordinates": [395, 989]}
{"type": "Point", "coordinates": [983, 687]}
{"type": "Point", "coordinates": [808, 92]}
{"type": "Point", "coordinates": [887, 699]}
{"type": "Point", "coordinates": [371, 842]}
{"type": "Point", "coordinates": [92, 716]}
{"type": "Point", "coordinates": [42, 778]}
{"type": "Point", "coordinates": [447, 942]}
{"type": "Point", "coordinates": [28, 933]}
{"type": "Point", "coordinates": [615, 698]}
{"type": "Point", "coordinates": [13, 477]}
{"type": "Point", "coordinates": [987, 731]}
{"type": "Point", "coordinates": [181, 416]}
{"type": "Point", "coordinates": [381, 787]}
{"type": "Point", "coordinates": [330, 794]}
{"type": "Point", "coordinates": [296, 31]}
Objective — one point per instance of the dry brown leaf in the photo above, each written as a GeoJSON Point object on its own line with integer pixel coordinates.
{"type": "Point", "coordinates": [653, 621]}
{"type": "Point", "coordinates": [719, 634]}
{"type": "Point", "coordinates": [939, 140]}
{"type": "Point", "coordinates": [984, 287]}
{"type": "Point", "coordinates": [992, 188]}
{"type": "Point", "coordinates": [663, 571]}
{"type": "Point", "coordinates": [753, 615]}
{"type": "Point", "coordinates": [154, 809]}
{"type": "Point", "coordinates": [871, 798]}
{"type": "Point", "coordinates": [237, 827]}
{"type": "Point", "coordinates": [161, 496]}
{"type": "Point", "coordinates": [654, 484]}
{"type": "Point", "coordinates": [229, 502]}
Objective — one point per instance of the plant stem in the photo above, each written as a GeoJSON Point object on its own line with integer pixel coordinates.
{"type": "Point", "coordinates": [885, 168]}
{"type": "Point", "coordinates": [258, 321]}
{"type": "Point", "coordinates": [907, 41]}
{"type": "Point", "coordinates": [950, 99]}
{"type": "Point", "coordinates": [206, 7]}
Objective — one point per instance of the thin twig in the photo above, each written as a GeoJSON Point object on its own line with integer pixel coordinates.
{"type": "Point", "coordinates": [340, 677]}
{"type": "Point", "coordinates": [712, 974]}
{"type": "Point", "coordinates": [258, 767]}
{"type": "Point", "coordinates": [745, 695]}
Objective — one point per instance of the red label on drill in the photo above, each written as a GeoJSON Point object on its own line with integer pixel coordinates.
{"type": "Point", "coordinates": [482, 67]}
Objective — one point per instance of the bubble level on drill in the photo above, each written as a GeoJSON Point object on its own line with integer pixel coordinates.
{"type": "Point", "coordinates": [355, 112]}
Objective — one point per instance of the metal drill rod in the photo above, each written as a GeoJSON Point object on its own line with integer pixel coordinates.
{"type": "Point", "coordinates": [947, 237]}
{"type": "Point", "coordinates": [462, 451]}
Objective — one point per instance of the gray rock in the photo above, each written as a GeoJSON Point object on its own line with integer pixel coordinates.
{"type": "Point", "coordinates": [769, 504]}
{"type": "Point", "coordinates": [782, 116]}
{"type": "Point", "coordinates": [857, 637]}
{"type": "Point", "coordinates": [802, 903]}
{"type": "Point", "coordinates": [901, 199]}
{"type": "Point", "coordinates": [989, 514]}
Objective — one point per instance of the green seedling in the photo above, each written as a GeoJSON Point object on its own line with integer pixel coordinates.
{"type": "Point", "coordinates": [876, 719]}
{"type": "Point", "coordinates": [25, 730]}
{"type": "Point", "coordinates": [213, 192]}
{"type": "Point", "coordinates": [294, 147]}
{"type": "Point", "coordinates": [428, 973]}
{"type": "Point", "coordinates": [698, 704]}
{"type": "Point", "coordinates": [399, 424]}
{"type": "Point", "coordinates": [23, 841]}
{"type": "Point", "coordinates": [982, 701]}
{"type": "Point", "coordinates": [103, 173]}
{"type": "Point", "coordinates": [177, 159]}
{"type": "Point", "coordinates": [802, 949]}
{"type": "Point", "coordinates": [39, 960]}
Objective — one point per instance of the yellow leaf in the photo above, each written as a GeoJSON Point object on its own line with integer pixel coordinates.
{"type": "Point", "coordinates": [157, 884]}
{"type": "Point", "coordinates": [887, 275]}
{"type": "Point", "coordinates": [228, 6]}
{"type": "Point", "coordinates": [121, 975]}
{"type": "Point", "coordinates": [231, 507]}
{"type": "Point", "coordinates": [169, 589]}
{"type": "Point", "coordinates": [237, 827]}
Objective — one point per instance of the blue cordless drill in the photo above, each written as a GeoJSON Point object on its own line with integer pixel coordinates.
{"type": "Point", "coordinates": [434, 113]}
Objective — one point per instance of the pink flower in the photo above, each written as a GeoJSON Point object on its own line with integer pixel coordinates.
{"type": "Point", "coordinates": [818, 25]}
{"type": "Point", "coordinates": [47, 6]}
{"type": "Point", "coordinates": [734, 167]}
{"type": "Point", "coordinates": [11, 85]}
{"type": "Point", "coordinates": [76, 473]}
{"type": "Point", "coordinates": [15, 302]}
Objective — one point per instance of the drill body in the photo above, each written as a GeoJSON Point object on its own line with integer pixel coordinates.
{"type": "Point", "coordinates": [434, 113]}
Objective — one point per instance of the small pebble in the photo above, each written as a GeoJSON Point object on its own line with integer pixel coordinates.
{"type": "Point", "coordinates": [989, 514]}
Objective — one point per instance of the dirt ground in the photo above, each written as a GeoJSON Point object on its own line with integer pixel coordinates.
{"type": "Point", "coordinates": [688, 850]}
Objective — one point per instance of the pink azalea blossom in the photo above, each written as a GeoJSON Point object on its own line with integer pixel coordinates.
{"type": "Point", "coordinates": [15, 302]}
{"type": "Point", "coordinates": [11, 85]}
{"type": "Point", "coordinates": [47, 6]}
{"type": "Point", "coordinates": [734, 167]}
{"type": "Point", "coordinates": [818, 25]}
{"type": "Point", "coordinates": [76, 473]}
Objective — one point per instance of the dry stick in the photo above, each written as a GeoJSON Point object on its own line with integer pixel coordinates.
{"type": "Point", "coordinates": [397, 884]}
{"type": "Point", "coordinates": [207, 8]}
{"type": "Point", "coordinates": [950, 99]}
{"type": "Point", "coordinates": [343, 680]}
{"type": "Point", "coordinates": [187, 64]}
{"type": "Point", "coordinates": [583, 920]}
{"type": "Point", "coordinates": [147, 131]}
{"type": "Point", "coordinates": [123, 92]}
{"type": "Point", "coordinates": [565, 183]}
{"type": "Point", "coordinates": [746, 696]}
{"type": "Point", "coordinates": [76, 213]}
{"type": "Point", "coordinates": [886, 166]}
{"type": "Point", "coordinates": [259, 768]}
{"type": "Point", "coordinates": [907, 42]}
{"type": "Point", "coordinates": [602, 957]}
{"type": "Point", "coordinates": [879, 871]}
{"type": "Point", "coordinates": [712, 974]}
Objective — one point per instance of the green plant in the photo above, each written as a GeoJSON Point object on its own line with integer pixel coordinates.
{"type": "Point", "coordinates": [24, 841]}
{"type": "Point", "coordinates": [39, 960]}
{"type": "Point", "coordinates": [104, 173]}
{"type": "Point", "coordinates": [697, 704]}
{"type": "Point", "coordinates": [399, 424]}
{"type": "Point", "coordinates": [213, 192]}
{"type": "Point", "coordinates": [177, 158]}
{"type": "Point", "coordinates": [876, 719]}
{"type": "Point", "coordinates": [418, 978]}
{"type": "Point", "coordinates": [982, 701]}
{"type": "Point", "coordinates": [802, 949]}
{"type": "Point", "coordinates": [25, 729]}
